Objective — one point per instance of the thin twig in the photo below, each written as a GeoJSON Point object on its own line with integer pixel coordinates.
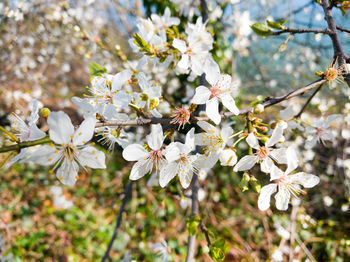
{"type": "Point", "coordinates": [343, 29]}
{"type": "Point", "coordinates": [301, 31]}
{"type": "Point", "coordinates": [308, 101]}
{"type": "Point", "coordinates": [194, 212]}
{"type": "Point", "coordinates": [118, 221]}
{"type": "Point", "coordinates": [292, 230]}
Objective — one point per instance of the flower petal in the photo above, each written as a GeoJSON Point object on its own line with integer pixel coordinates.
{"type": "Point", "coordinates": [252, 141]}
{"type": "Point", "coordinates": [122, 99]}
{"type": "Point", "coordinates": [167, 173]}
{"type": "Point", "coordinates": [277, 135]}
{"type": "Point", "coordinates": [155, 138]}
{"type": "Point", "coordinates": [245, 163]}
{"type": "Point", "coordinates": [35, 132]}
{"type": "Point", "coordinates": [134, 152]}
{"type": "Point", "coordinates": [189, 142]}
{"type": "Point", "coordinates": [266, 165]}
{"type": "Point", "coordinates": [306, 180]}
{"type": "Point", "coordinates": [85, 131]}
{"type": "Point", "coordinates": [173, 151]}
{"type": "Point", "coordinates": [67, 173]}
{"type": "Point", "coordinates": [265, 195]}
{"type": "Point", "coordinates": [275, 173]}
{"type": "Point", "coordinates": [45, 155]}
{"type": "Point", "coordinates": [61, 128]}
{"type": "Point", "coordinates": [140, 168]}
{"type": "Point", "coordinates": [201, 96]}
{"type": "Point", "coordinates": [180, 45]}
{"type": "Point", "coordinates": [91, 157]}
{"type": "Point", "coordinates": [119, 79]}
{"type": "Point", "coordinates": [282, 198]}
{"type": "Point", "coordinates": [228, 102]}
{"type": "Point", "coordinates": [228, 157]}
{"type": "Point", "coordinates": [184, 62]}
{"type": "Point", "coordinates": [212, 110]}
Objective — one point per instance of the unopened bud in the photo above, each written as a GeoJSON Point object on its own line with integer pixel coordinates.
{"type": "Point", "coordinates": [263, 129]}
{"type": "Point", "coordinates": [144, 97]}
{"type": "Point", "coordinates": [45, 112]}
{"type": "Point", "coordinates": [243, 185]}
{"type": "Point", "coordinates": [283, 123]}
{"type": "Point", "coordinates": [273, 125]}
{"type": "Point", "coordinates": [255, 185]}
{"type": "Point", "coordinates": [264, 139]}
{"type": "Point", "coordinates": [258, 109]}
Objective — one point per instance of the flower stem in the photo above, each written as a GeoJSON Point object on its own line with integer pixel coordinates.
{"type": "Point", "coordinates": [12, 136]}
{"type": "Point", "coordinates": [239, 140]}
{"type": "Point", "coordinates": [18, 146]}
{"type": "Point", "coordinates": [236, 134]}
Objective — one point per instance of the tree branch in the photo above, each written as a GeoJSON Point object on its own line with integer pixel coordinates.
{"type": "Point", "coordinates": [308, 101]}
{"type": "Point", "coordinates": [343, 29]}
{"type": "Point", "coordinates": [118, 220]}
{"type": "Point", "coordinates": [194, 212]}
{"type": "Point", "coordinates": [301, 31]}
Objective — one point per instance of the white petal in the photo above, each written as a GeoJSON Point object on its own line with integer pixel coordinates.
{"type": "Point", "coordinates": [245, 163]}
{"type": "Point", "coordinates": [180, 44]}
{"type": "Point", "coordinates": [140, 168]}
{"type": "Point", "coordinates": [229, 103]}
{"type": "Point", "coordinates": [212, 110]}
{"type": "Point", "coordinates": [201, 96]}
{"type": "Point", "coordinates": [282, 198]}
{"type": "Point", "coordinates": [85, 131]}
{"type": "Point", "coordinates": [287, 113]}
{"type": "Point", "coordinates": [212, 71]}
{"type": "Point", "coordinates": [122, 99]}
{"type": "Point", "coordinates": [265, 195]}
{"type": "Point", "coordinates": [275, 173]}
{"type": "Point", "coordinates": [252, 141]}
{"type": "Point", "coordinates": [184, 62]}
{"type": "Point", "coordinates": [306, 180]}
{"type": "Point", "coordinates": [61, 128]}
{"type": "Point", "coordinates": [266, 165]}
{"type": "Point", "coordinates": [91, 157]}
{"type": "Point", "coordinates": [35, 132]}
{"type": "Point", "coordinates": [189, 142]}
{"type": "Point", "coordinates": [279, 155]}
{"type": "Point", "coordinates": [311, 143]}
{"type": "Point", "coordinates": [167, 173]}
{"type": "Point", "coordinates": [153, 180]}
{"type": "Point", "coordinates": [292, 160]}
{"type": "Point", "coordinates": [330, 119]}
{"type": "Point", "coordinates": [185, 176]}
{"type": "Point", "coordinates": [84, 103]}
{"type": "Point", "coordinates": [226, 132]}
{"type": "Point", "coordinates": [34, 111]}
{"type": "Point", "coordinates": [155, 139]}
{"type": "Point", "coordinates": [228, 157]}
{"type": "Point", "coordinates": [108, 111]}
{"type": "Point", "coordinates": [134, 152]}
{"type": "Point", "coordinates": [172, 152]}
{"type": "Point", "coordinates": [277, 135]}
{"type": "Point", "coordinates": [207, 127]}
{"type": "Point", "coordinates": [119, 79]}
{"type": "Point", "coordinates": [67, 173]}
{"type": "Point", "coordinates": [22, 154]}
{"type": "Point", "coordinates": [45, 155]}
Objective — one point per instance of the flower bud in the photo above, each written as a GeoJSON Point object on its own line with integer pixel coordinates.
{"type": "Point", "coordinates": [154, 103]}
{"type": "Point", "coordinates": [243, 185]}
{"type": "Point", "coordinates": [255, 184]}
{"type": "Point", "coordinates": [45, 112]}
{"type": "Point", "coordinates": [228, 157]}
{"type": "Point", "coordinates": [283, 123]}
{"type": "Point", "coordinates": [258, 109]}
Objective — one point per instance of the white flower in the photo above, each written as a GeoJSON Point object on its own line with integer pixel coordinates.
{"type": "Point", "coordinates": [146, 159]}
{"type": "Point", "coordinates": [319, 131]}
{"type": "Point", "coordinates": [25, 132]}
{"type": "Point", "coordinates": [162, 249]}
{"type": "Point", "coordinates": [214, 141]}
{"type": "Point", "coordinates": [70, 149]}
{"type": "Point", "coordinates": [265, 154]}
{"type": "Point", "coordinates": [288, 185]}
{"type": "Point", "coordinates": [106, 95]}
{"type": "Point", "coordinates": [188, 8]}
{"type": "Point", "coordinates": [221, 89]}
{"type": "Point", "coordinates": [165, 21]}
{"type": "Point", "coordinates": [179, 162]}
{"type": "Point", "coordinates": [113, 135]}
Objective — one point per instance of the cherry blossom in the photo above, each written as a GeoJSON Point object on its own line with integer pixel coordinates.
{"type": "Point", "coordinates": [70, 149]}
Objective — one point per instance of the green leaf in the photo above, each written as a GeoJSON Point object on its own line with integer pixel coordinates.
{"type": "Point", "coordinates": [96, 69]}
{"type": "Point", "coordinates": [218, 249]}
{"type": "Point", "coordinates": [261, 29]}
{"type": "Point", "coordinates": [276, 25]}
{"type": "Point", "coordinates": [192, 224]}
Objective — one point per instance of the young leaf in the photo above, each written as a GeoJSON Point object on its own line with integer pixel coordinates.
{"type": "Point", "coordinates": [96, 69]}
{"type": "Point", "coordinates": [261, 29]}
{"type": "Point", "coordinates": [275, 25]}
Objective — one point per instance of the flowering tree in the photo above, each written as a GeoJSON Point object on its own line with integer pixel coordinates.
{"type": "Point", "coordinates": [187, 129]}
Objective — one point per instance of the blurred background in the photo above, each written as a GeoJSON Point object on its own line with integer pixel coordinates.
{"type": "Point", "coordinates": [45, 51]}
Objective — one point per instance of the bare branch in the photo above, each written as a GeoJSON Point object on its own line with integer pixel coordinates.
{"type": "Point", "coordinates": [118, 220]}
{"type": "Point", "coordinates": [301, 31]}
{"type": "Point", "coordinates": [308, 101]}
{"type": "Point", "coordinates": [343, 29]}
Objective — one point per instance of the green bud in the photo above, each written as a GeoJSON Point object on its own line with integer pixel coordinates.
{"type": "Point", "coordinates": [243, 185]}
{"type": "Point", "coordinates": [275, 25]}
{"type": "Point", "coordinates": [255, 185]}
{"type": "Point", "coordinates": [259, 108]}
{"type": "Point", "coordinates": [261, 29]}
{"type": "Point", "coordinates": [45, 112]}
{"type": "Point", "coordinates": [144, 97]}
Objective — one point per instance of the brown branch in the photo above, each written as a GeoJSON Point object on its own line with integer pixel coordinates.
{"type": "Point", "coordinates": [308, 101]}
{"type": "Point", "coordinates": [301, 31]}
{"type": "Point", "coordinates": [343, 29]}
{"type": "Point", "coordinates": [118, 220]}
{"type": "Point", "coordinates": [194, 212]}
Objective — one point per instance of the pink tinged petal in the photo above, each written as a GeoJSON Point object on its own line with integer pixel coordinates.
{"type": "Point", "coordinates": [265, 195]}
{"type": "Point", "coordinates": [228, 157]}
{"type": "Point", "coordinates": [45, 155]}
{"type": "Point", "coordinates": [282, 198]}
{"type": "Point", "coordinates": [61, 128]}
{"type": "Point", "coordinates": [245, 163]}
{"type": "Point", "coordinates": [122, 99]}
{"type": "Point", "coordinates": [180, 45]}
{"type": "Point", "coordinates": [85, 131]}
{"type": "Point", "coordinates": [134, 152]}
{"type": "Point", "coordinates": [35, 132]}
{"type": "Point", "coordinates": [212, 110]}
{"type": "Point", "coordinates": [275, 173]}
{"type": "Point", "coordinates": [189, 142]}
{"type": "Point", "coordinates": [119, 79]}
{"type": "Point", "coordinates": [167, 173]}
{"type": "Point", "coordinates": [67, 173]}
{"type": "Point", "coordinates": [172, 152]}
{"type": "Point", "coordinates": [201, 96]}
{"type": "Point", "coordinates": [277, 135]}
{"type": "Point", "coordinates": [140, 168]}
{"type": "Point", "coordinates": [184, 62]}
{"type": "Point", "coordinates": [155, 139]}
{"type": "Point", "coordinates": [91, 157]}
{"type": "Point", "coordinates": [229, 103]}
{"type": "Point", "coordinates": [306, 180]}
{"type": "Point", "coordinates": [252, 141]}
{"type": "Point", "coordinates": [266, 165]}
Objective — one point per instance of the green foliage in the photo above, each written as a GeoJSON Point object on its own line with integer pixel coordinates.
{"type": "Point", "coordinates": [276, 25]}
{"type": "Point", "coordinates": [261, 29]}
{"type": "Point", "coordinates": [96, 69]}
{"type": "Point", "coordinates": [218, 250]}
{"type": "Point", "coordinates": [192, 224]}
